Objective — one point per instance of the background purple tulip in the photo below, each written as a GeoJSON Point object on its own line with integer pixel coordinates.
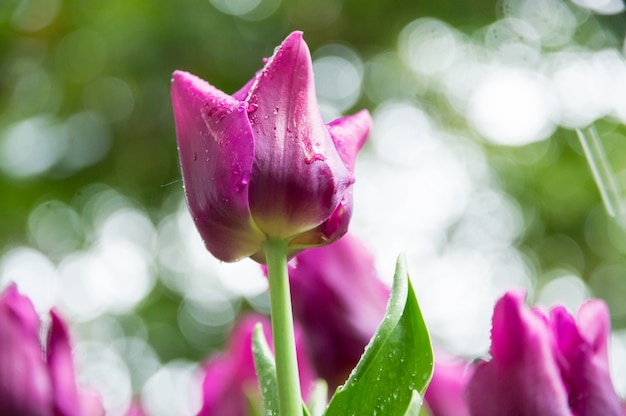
{"type": "Point", "coordinates": [37, 380]}
{"type": "Point", "coordinates": [545, 365]}
{"type": "Point", "coordinates": [261, 163]}
{"type": "Point", "coordinates": [445, 395]}
{"type": "Point", "coordinates": [230, 383]}
{"type": "Point", "coordinates": [339, 302]}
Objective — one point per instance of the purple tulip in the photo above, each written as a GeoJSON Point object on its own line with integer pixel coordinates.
{"type": "Point", "coordinates": [545, 365]}
{"type": "Point", "coordinates": [338, 301]}
{"type": "Point", "coordinates": [261, 164]}
{"type": "Point", "coordinates": [445, 395]}
{"type": "Point", "coordinates": [37, 380]}
{"type": "Point", "coordinates": [230, 383]}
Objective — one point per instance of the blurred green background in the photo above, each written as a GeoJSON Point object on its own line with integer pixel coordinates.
{"type": "Point", "coordinates": [474, 167]}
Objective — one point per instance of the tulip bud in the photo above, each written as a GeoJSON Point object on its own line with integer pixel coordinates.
{"type": "Point", "coordinates": [261, 164]}
{"type": "Point", "coordinates": [545, 365]}
{"type": "Point", "coordinates": [36, 379]}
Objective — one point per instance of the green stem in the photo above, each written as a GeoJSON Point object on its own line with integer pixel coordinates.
{"type": "Point", "coordinates": [289, 396]}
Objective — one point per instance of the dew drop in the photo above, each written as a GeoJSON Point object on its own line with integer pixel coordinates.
{"type": "Point", "coordinates": [252, 107]}
{"type": "Point", "coordinates": [245, 177]}
{"type": "Point", "coordinates": [243, 181]}
{"type": "Point", "coordinates": [195, 156]}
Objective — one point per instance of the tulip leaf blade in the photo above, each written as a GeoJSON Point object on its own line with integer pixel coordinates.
{"type": "Point", "coordinates": [397, 362]}
{"type": "Point", "coordinates": [265, 370]}
{"type": "Point", "coordinates": [265, 367]}
{"type": "Point", "coordinates": [415, 405]}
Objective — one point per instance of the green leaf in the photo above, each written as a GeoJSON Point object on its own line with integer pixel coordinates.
{"type": "Point", "coordinates": [265, 370]}
{"type": "Point", "coordinates": [415, 405]}
{"type": "Point", "coordinates": [397, 361]}
{"type": "Point", "coordinates": [265, 367]}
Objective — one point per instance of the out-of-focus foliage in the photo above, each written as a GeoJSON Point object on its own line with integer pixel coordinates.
{"type": "Point", "coordinates": [473, 169]}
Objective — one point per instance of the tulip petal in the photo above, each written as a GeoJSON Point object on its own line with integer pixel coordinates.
{"type": "Point", "coordinates": [341, 277]}
{"type": "Point", "coordinates": [25, 388]}
{"type": "Point", "coordinates": [445, 393]}
{"type": "Point", "coordinates": [585, 364]}
{"type": "Point", "coordinates": [327, 232]}
{"type": "Point", "coordinates": [216, 150]}
{"type": "Point", "coordinates": [349, 134]}
{"type": "Point", "coordinates": [522, 377]}
{"type": "Point", "coordinates": [297, 171]}
{"type": "Point", "coordinates": [594, 324]}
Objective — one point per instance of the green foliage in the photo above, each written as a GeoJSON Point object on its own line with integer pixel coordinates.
{"type": "Point", "coordinates": [397, 362]}
{"type": "Point", "coordinates": [393, 372]}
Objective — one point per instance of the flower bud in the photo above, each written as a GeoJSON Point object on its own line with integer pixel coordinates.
{"type": "Point", "coordinates": [261, 164]}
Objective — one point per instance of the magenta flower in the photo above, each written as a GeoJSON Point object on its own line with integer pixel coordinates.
{"type": "Point", "coordinates": [36, 379]}
{"type": "Point", "coordinates": [545, 365]}
{"type": "Point", "coordinates": [261, 164]}
{"type": "Point", "coordinates": [338, 301]}
{"type": "Point", "coordinates": [230, 383]}
{"type": "Point", "coordinates": [445, 395]}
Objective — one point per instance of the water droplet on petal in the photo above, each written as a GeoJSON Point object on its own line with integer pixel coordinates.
{"type": "Point", "coordinates": [252, 107]}
{"type": "Point", "coordinates": [243, 182]}
{"type": "Point", "coordinates": [195, 156]}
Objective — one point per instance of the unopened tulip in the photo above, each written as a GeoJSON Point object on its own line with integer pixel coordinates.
{"type": "Point", "coordinates": [545, 365]}
{"type": "Point", "coordinates": [261, 164]}
{"type": "Point", "coordinates": [36, 379]}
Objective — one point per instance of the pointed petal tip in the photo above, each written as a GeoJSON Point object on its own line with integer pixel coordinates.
{"type": "Point", "coordinates": [183, 78]}
{"type": "Point", "coordinates": [180, 76]}
{"type": "Point", "coordinates": [295, 36]}
{"type": "Point", "coordinates": [291, 48]}
{"type": "Point", "coordinates": [514, 296]}
{"type": "Point", "coordinates": [10, 290]}
{"type": "Point", "coordinates": [349, 134]}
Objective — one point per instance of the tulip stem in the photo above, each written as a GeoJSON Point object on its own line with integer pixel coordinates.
{"type": "Point", "coordinates": [289, 396]}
